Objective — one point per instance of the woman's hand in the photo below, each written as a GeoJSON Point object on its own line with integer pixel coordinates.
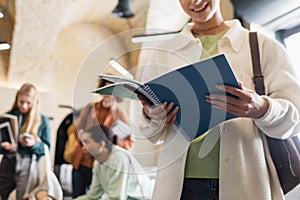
{"type": "Point", "coordinates": [27, 141]}
{"type": "Point", "coordinates": [165, 112]}
{"type": "Point", "coordinates": [244, 103]}
{"type": "Point", "coordinates": [9, 146]}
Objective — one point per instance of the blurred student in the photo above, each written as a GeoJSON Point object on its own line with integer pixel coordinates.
{"type": "Point", "coordinates": [104, 112]}
{"type": "Point", "coordinates": [34, 132]}
{"type": "Point", "coordinates": [115, 171]}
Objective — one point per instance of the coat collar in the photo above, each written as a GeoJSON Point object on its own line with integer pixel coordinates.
{"type": "Point", "coordinates": [235, 35]}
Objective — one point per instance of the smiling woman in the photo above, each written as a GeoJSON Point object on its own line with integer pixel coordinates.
{"type": "Point", "coordinates": [240, 157]}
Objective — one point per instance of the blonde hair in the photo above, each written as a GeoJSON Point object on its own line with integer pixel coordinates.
{"type": "Point", "coordinates": [33, 119]}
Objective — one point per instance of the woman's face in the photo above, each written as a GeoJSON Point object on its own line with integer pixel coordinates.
{"type": "Point", "coordinates": [107, 99]}
{"type": "Point", "coordinates": [25, 103]}
{"type": "Point", "coordinates": [200, 10]}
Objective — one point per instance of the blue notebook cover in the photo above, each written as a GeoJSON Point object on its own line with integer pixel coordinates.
{"type": "Point", "coordinates": [187, 87]}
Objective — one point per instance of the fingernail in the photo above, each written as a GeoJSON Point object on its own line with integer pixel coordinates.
{"type": "Point", "coordinates": [208, 99]}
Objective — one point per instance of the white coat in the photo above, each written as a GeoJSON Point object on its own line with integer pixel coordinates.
{"type": "Point", "coordinates": [246, 168]}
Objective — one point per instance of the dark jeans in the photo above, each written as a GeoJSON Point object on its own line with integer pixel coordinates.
{"type": "Point", "coordinates": [7, 176]}
{"type": "Point", "coordinates": [200, 189]}
{"type": "Point", "coordinates": [81, 180]}
{"type": "Point", "coordinates": [13, 175]}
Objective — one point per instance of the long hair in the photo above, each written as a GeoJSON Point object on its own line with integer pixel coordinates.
{"type": "Point", "coordinates": [33, 119]}
{"type": "Point", "coordinates": [102, 83]}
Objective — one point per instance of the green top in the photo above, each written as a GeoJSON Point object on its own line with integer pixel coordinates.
{"type": "Point", "coordinates": [116, 178]}
{"type": "Point", "coordinates": [210, 44]}
{"type": "Point", "coordinates": [207, 167]}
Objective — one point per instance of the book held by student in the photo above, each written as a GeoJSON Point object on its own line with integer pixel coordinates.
{"type": "Point", "coordinates": [187, 87]}
{"type": "Point", "coordinates": [8, 128]}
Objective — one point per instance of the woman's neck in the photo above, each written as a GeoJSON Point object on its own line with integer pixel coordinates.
{"type": "Point", "coordinates": [213, 26]}
{"type": "Point", "coordinates": [106, 104]}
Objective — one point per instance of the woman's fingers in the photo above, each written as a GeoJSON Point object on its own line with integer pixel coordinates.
{"type": "Point", "coordinates": [242, 102]}
{"type": "Point", "coordinates": [171, 117]}
{"type": "Point", "coordinates": [163, 112]}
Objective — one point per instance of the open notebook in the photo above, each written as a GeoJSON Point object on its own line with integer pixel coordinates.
{"type": "Point", "coordinates": [187, 87]}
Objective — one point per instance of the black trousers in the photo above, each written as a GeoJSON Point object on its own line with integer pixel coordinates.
{"type": "Point", "coordinates": [200, 189]}
{"type": "Point", "coordinates": [13, 175]}
{"type": "Point", "coordinates": [7, 176]}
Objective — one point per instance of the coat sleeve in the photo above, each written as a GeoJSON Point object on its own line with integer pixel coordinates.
{"type": "Point", "coordinates": [282, 91]}
{"type": "Point", "coordinates": [153, 130]}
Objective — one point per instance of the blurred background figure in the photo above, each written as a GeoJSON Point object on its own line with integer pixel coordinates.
{"type": "Point", "coordinates": [104, 112]}
{"type": "Point", "coordinates": [33, 133]}
{"type": "Point", "coordinates": [115, 170]}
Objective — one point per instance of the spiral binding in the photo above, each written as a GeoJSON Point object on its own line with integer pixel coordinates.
{"type": "Point", "coordinates": [147, 91]}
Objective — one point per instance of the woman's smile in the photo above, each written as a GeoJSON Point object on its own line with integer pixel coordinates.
{"type": "Point", "coordinates": [200, 8]}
